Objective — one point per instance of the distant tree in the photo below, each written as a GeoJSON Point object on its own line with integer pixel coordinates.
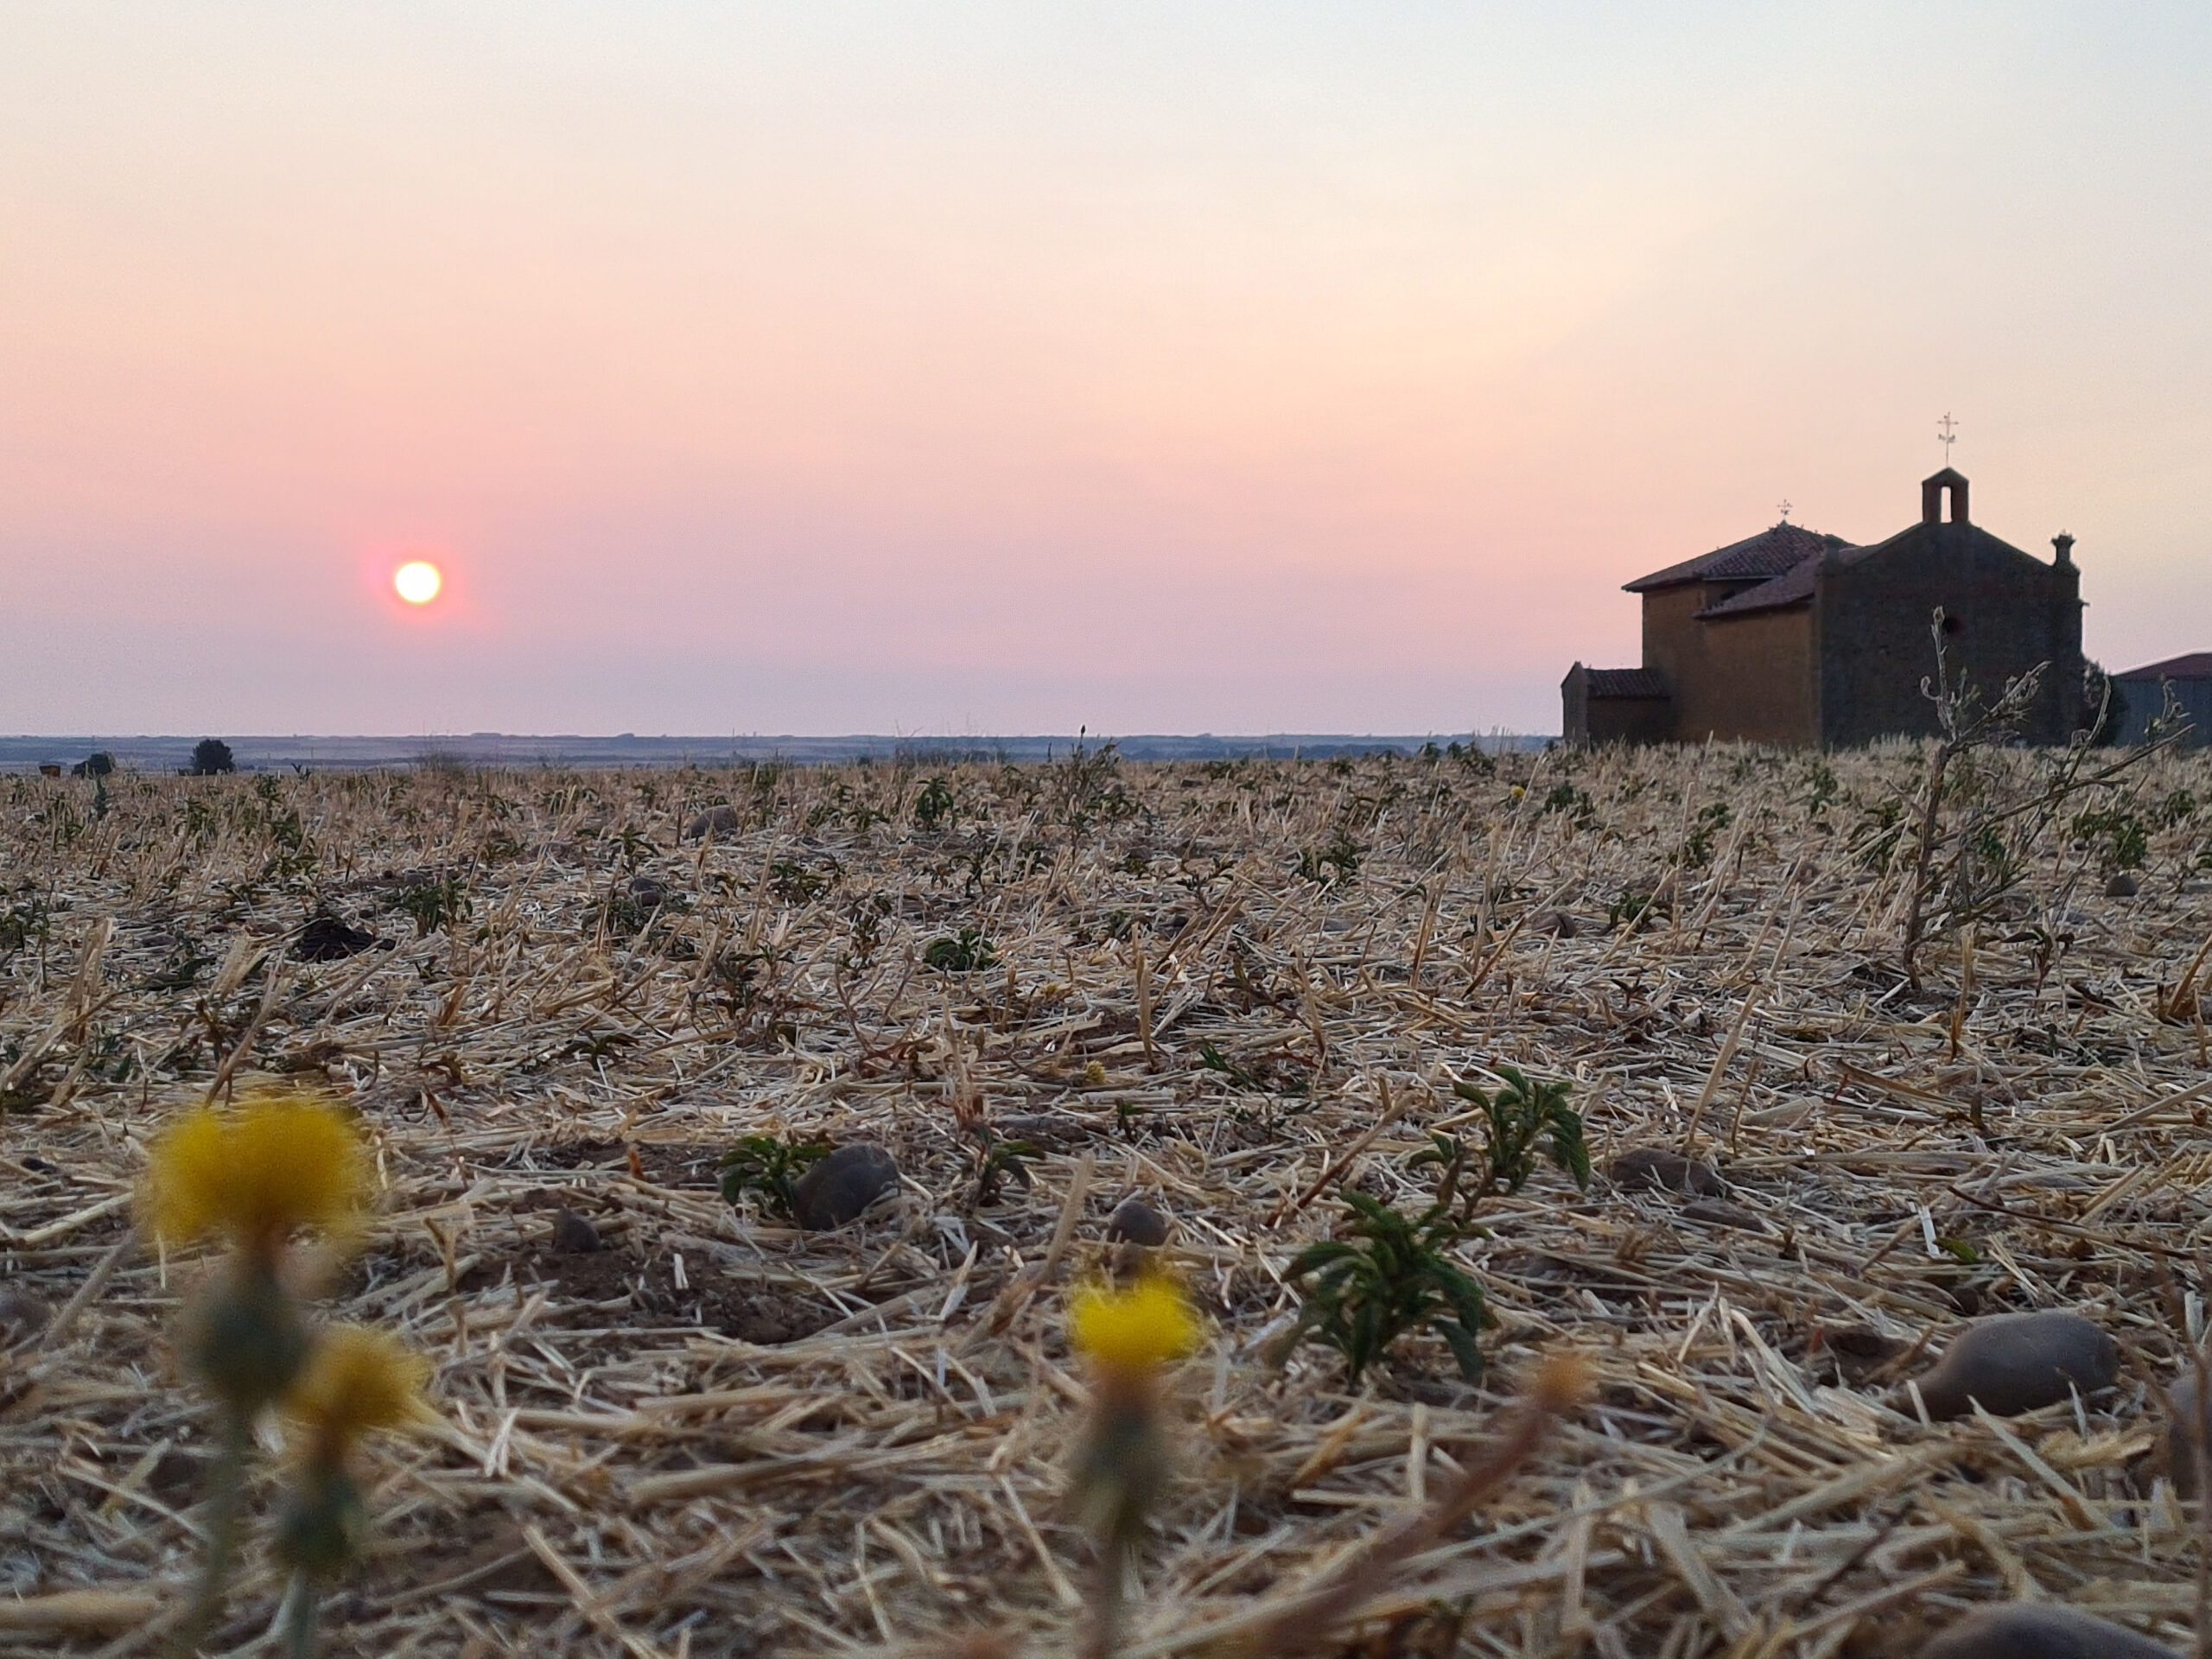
{"type": "Point", "coordinates": [211, 755]}
{"type": "Point", "coordinates": [99, 764]}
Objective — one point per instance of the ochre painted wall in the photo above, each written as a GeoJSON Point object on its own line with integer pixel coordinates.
{"type": "Point", "coordinates": [1629, 719]}
{"type": "Point", "coordinates": [1671, 642]}
{"type": "Point", "coordinates": [1753, 680]}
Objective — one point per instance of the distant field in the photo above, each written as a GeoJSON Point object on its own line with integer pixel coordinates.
{"type": "Point", "coordinates": [1196, 983]}
{"type": "Point", "coordinates": [509, 749]}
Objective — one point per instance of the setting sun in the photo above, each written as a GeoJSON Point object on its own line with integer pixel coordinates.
{"type": "Point", "coordinates": [417, 582]}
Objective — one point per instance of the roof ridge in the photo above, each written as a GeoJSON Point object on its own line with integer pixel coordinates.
{"type": "Point", "coordinates": [1772, 552]}
{"type": "Point", "coordinates": [2190, 665]}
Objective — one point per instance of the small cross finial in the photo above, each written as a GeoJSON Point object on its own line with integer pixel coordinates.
{"type": "Point", "coordinates": [1785, 509]}
{"type": "Point", "coordinates": [1947, 434]}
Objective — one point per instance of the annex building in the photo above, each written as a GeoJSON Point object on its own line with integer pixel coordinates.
{"type": "Point", "coordinates": [2145, 694]}
{"type": "Point", "coordinates": [1793, 637]}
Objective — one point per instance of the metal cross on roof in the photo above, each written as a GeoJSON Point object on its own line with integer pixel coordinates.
{"type": "Point", "coordinates": [1947, 434]}
{"type": "Point", "coordinates": [1785, 511]}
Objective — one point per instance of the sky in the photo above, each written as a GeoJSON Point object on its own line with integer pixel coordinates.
{"type": "Point", "coordinates": [971, 369]}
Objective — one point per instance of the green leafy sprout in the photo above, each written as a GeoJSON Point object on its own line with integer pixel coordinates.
{"type": "Point", "coordinates": [934, 807]}
{"type": "Point", "coordinates": [961, 953]}
{"type": "Point", "coordinates": [999, 1160]}
{"type": "Point", "coordinates": [1519, 1114]}
{"type": "Point", "coordinates": [769, 1165]}
{"type": "Point", "coordinates": [1338, 862]}
{"type": "Point", "coordinates": [1636, 911]}
{"type": "Point", "coordinates": [2122, 838]}
{"type": "Point", "coordinates": [435, 903]}
{"type": "Point", "coordinates": [1389, 1274]}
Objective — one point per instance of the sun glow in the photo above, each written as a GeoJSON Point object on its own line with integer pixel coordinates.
{"type": "Point", "coordinates": [417, 582]}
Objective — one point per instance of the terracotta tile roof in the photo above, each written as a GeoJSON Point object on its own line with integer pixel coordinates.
{"type": "Point", "coordinates": [1772, 552]}
{"type": "Point", "coordinates": [1793, 587]}
{"type": "Point", "coordinates": [1627, 682]}
{"type": "Point", "coordinates": [2197, 665]}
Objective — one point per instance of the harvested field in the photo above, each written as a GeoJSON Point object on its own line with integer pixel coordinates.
{"type": "Point", "coordinates": [1208, 986]}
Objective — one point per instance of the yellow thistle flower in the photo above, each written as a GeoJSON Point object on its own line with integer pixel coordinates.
{"type": "Point", "coordinates": [257, 1175]}
{"type": "Point", "coordinates": [355, 1381]}
{"type": "Point", "coordinates": [1134, 1331]}
{"type": "Point", "coordinates": [1561, 1383]}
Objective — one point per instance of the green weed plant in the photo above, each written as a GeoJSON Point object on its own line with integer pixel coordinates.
{"type": "Point", "coordinates": [770, 1166]}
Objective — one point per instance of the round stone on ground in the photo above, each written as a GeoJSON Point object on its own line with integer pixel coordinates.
{"type": "Point", "coordinates": [714, 821]}
{"type": "Point", "coordinates": [2041, 1630]}
{"type": "Point", "coordinates": [840, 1187]}
{"type": "Point", "coordinates": [1650, 1167]}
{"type": "Point", "coordinates": [2014, 1363]}
{"type": "Point", "coordinates": [2187, 1436]}
{"type": "Point", "coordinates": [573, 1235]}
{"type": "Point", "coordinates": [1135, 1222]}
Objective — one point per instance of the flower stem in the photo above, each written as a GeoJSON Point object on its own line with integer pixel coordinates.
{"type": "Point", "coordinates": [1105, 1636]}
{"type": "Point", "coordinates": [225, 1488]}
{"type": "Point", "coordinates": [299, 1624]}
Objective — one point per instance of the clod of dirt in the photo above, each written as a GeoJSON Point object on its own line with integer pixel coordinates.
{"type": "Point", "coordinates": [2039, 1631]}
{"type": "Point", "coordinates": [1860, 1344]}
{"type": "Point", "coordinates": [2187, 1423]}
{"type": "Point", "coordinates": [327, 938]}
{"type": "Point", "coordinates": [714, 821]}
{"type": "Point", "coordinates": [649, 893]}
{"type": "Point", "coordinates": [573, 1235]}
{"type": "Point", "coordinates": [2122, 885]}
{"type": "Point", "coordinates": [838, 1187]}
{"type": "Point", "coordinates": [1560, 925]}
{"type": "Point", "coordinates": [1135, 1222]}
{"type": "Point", "coordinates": [22, 1315]}
{"type": "Point", "coordinates": [2014, 1363]}
{"type": "Point", "coordinates": [1650, 1167]}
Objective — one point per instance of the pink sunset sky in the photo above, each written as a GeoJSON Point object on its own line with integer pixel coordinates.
{"type": "Point", "coordinates": [1001, 369]}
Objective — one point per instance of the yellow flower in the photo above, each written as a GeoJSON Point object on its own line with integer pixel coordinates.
{"type": "Point", "coordinates": [356, 1381]}
{"type": "Point", "coordinates": [1561, 1383]}
{"type": "Point", "coordinates": [259, 1174]}
{"type": "Point", "coordinates": [1134, 1330]}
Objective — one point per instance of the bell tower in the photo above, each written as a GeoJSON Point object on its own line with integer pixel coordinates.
{"type": "Point", "coordinates": [1933, 489]}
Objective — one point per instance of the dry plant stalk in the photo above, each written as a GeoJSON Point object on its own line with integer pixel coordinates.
{"type": "Point", "coordinates": [1558, 1387]}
